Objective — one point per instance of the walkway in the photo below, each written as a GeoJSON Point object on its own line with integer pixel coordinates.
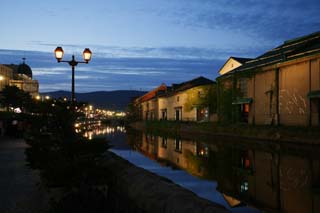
{"type": "Point", "coordinates": [19, 190]}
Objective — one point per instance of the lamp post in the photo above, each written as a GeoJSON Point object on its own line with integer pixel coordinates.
{"type": "Point", "coordinates": [73, 63]}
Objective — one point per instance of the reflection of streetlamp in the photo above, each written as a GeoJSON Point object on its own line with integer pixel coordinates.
{"type": "Point", "coordinates": [86, 57]}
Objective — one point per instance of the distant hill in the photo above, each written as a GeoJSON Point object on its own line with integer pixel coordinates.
{"type": "Point", "coordinates": [116, 100]}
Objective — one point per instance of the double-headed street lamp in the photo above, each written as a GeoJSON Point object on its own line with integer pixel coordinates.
{"type": "Point", "coordinates": [86, 57]}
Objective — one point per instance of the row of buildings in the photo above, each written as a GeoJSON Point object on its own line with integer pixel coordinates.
{"type": "Point", "coordinates": [19, 76]}
{"type": "Point", "coordinates": [280, 87]}
{"type": "Point", "coordinates": [186, 101]}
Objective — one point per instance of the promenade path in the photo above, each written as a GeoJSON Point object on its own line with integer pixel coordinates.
{"type": "Point", "coordinates": [19, 185]}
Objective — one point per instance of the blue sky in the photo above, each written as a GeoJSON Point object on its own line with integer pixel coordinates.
{"type": "Point", "coordinates": [143, 43]}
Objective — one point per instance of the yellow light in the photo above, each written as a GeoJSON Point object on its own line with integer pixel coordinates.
{"type": "Point", "coordinates": [1, 78]}
{"type": "Point", "coordinates": [38, 97]}
{"type": "Point", "coordinates": [58, 53]}
{"type": "Point", "coordinates": [87, 55]}
{"type": "Point", "coordinates": [47, 97]}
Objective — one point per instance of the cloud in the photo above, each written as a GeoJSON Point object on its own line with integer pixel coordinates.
{"type": "Point", "coordinates": [113, 73]}
{"type": "Point", "coordinates": [264, 22]}
{"type": "Point", "coordinates": [48, 71]}
{"type": "Point", "coordinates": [173, 52]}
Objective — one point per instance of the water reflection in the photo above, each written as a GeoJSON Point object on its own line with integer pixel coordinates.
{"type": "Point", "coordinates": [265, 175]}
{"type": "Point", "coordinates": [97, 129]}
{"type": "Point", "coordinates": [242, 175]}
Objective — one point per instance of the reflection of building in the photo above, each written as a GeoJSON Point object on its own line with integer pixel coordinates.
{"type": "Point", "coordinates": [19, 76]}
{"type": "Point", "coordinates": [188, 101]}
{"type": "Point", "coordinates": [184, 154]}
{"type": "Point", "coordinates": [282, 86]}
{"type": "Point", "coordinates": [274, 178]}
{"type": "Point", "coordinates": [274, 181]}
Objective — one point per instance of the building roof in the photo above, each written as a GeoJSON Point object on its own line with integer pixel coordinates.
{"type": "Point", "coordinates": [290, 49]}
{"type": "Point", "coordinates": [241, 61]}
{"type": "Point", "coordinates": [22, 68]}
{"type": "Point", "coordinates": [163, 90]}
{"type": "Point", "coordinates": [151, 94]}
{"type": "Point", "coordinates": [192, 83]}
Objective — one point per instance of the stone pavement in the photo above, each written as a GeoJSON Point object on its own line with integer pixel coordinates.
{"type": "Point", "coordinates": [19, 185]}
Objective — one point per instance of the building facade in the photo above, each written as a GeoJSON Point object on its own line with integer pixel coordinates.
{"type": "Point", "coordinates": [188, 101]}
{"type": "Point", "coordinates": [19, 76]}
{"type": "Point", "coordinates": [148, 103]}
{"type": "Point", "coordinates": [6, 74]}
{"type": "Point", "coordinates": [279, 87]}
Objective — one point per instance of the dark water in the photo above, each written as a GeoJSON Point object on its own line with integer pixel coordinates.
{"type": "Point", "coordinates": [244, 176]}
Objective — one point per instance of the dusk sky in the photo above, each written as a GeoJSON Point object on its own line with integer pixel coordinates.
{"type": "Point", "coordinates": [143, 43]}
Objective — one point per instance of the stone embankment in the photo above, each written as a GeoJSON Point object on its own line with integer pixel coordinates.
{"type": "Point", "coordinates": [133, 189]}
{"type": "Point", "coordinates": [191, 130]}
{"type": "Point", "coordinates": [129, 188]}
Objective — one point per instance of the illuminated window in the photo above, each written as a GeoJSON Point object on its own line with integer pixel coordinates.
{"type": "Point", "coordinates": [245, 160]}
{"type": "Point", "coordinates": [244, 186]}
{"type": "Point", "coordinates": [246, 108]}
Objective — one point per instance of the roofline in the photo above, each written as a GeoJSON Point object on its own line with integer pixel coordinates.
{"type": "Point", "coordinates": [233, 57]}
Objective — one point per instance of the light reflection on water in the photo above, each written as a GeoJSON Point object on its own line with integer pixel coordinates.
{"type": "Point", "coordinates": [274, 177]}
{"type": "Point", "coordinates": [97, 130]}
{"type": "Point", "coordinates": [134, 153]}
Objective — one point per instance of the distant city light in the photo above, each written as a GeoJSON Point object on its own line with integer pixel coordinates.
{"type": "Point", "coordinates": [17, 110]}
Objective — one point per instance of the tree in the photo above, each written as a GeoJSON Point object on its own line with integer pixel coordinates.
{"type": "Point", "coordinates": [206, 98]}
{"type": "Point", "coordinates": [133, 112]}
{"type": "Point", "coordinates": [14, 97]}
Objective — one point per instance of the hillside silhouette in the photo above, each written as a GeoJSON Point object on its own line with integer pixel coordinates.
{"type": "Point", "coordinates": [115, 100]}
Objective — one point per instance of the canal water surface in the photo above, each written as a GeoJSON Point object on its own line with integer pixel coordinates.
{"type": "Point", "coordinates": [243, 176]}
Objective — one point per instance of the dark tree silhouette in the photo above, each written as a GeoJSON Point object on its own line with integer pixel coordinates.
{"type": "Point", "coordinates": [12, 96]}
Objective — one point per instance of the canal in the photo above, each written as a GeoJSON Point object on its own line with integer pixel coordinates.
{"type": "Point", "coordinates": [242, 175]}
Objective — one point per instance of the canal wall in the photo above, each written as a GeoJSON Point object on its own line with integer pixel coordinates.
{"type": "Point", "coordinates": [191, 130]}
{"type": "Point", "coordinates": [133, 189]}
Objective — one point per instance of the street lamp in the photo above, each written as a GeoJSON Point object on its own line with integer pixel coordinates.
{"type": "Point", "coordinates": [2, 78]}
{"type": "Point", "coordinates": [86, 57]}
